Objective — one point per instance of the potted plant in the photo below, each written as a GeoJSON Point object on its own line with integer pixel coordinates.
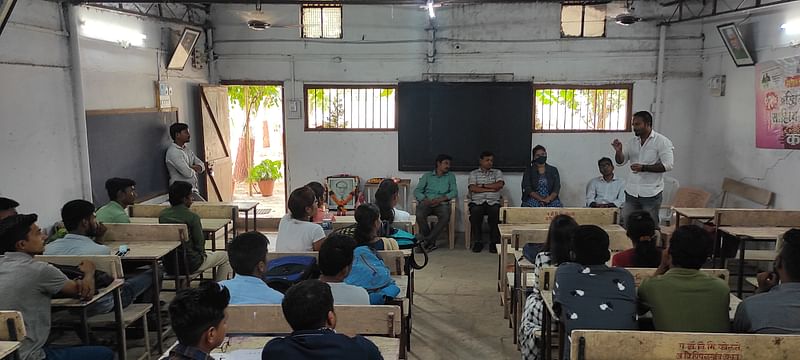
{"type": "Point", "coordinates": [265, 174]}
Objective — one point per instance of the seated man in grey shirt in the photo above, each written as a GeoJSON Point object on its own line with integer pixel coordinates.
{"type": "Point", "coordinates": [775, 309]}
{"type": "Point", "coordinates": [335, 262]}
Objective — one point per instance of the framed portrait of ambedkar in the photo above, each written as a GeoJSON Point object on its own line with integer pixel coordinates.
{"type": "Point", "coordinates": [342, 192]}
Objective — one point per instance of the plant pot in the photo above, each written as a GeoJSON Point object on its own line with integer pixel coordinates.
{"type": "Point", "coordinates": [266, 187]}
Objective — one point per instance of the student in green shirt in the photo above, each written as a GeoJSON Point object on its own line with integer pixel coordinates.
{"type": "Point", "coordinates": [180, 197]}
{"type": "Point", "coordinates": [434, 192]}
{"type": "Point", "coordinates": [121, 194]}
{"type": "Point", "coordinates": [681, 297]}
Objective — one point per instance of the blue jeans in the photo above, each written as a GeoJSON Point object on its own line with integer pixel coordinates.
{"type": "Point", "coordinates": [78, 353]}
{"type": "Point", "coordinates": [133, 287]}
{"type": "Point", "coordinates": [649, 204]}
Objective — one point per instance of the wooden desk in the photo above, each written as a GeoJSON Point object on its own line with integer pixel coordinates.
{"type": "Point", "coordinates": [210, 228]}
{"type": "Point", "coordinates": [250, 347]}
{"type": "Point", "coordinates": [693, 214]}
{"type": "Point", "coordinates": [8, 347]}
{"type": "Point", "coordinates": [245, 207]}
{"type": "Point", "coordinates": [744, 234]}
{"type": "Point", "coordinates": [81, 305]}
{"type": "Point", "coordinates": [151, 252]}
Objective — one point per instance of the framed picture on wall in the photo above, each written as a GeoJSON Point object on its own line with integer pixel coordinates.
{"type": "Point", "coordinates": [342, 192]}
{"type": "Point", "coordinates": [184, 49]}
{"type": "Point", "coordinates": [735, 44]}
{"type": "Point", "coordinates": [5, 12]}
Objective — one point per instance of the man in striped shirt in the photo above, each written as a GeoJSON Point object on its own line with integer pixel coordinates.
{"type": "Point", "coordinates": [485, 185]}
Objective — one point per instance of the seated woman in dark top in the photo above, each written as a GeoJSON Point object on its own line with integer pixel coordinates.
{"type": "Point", "coordinates": [590, 295]}
{"type": "Point", "coordinates": [642, 232]}
{"type": "Point", "coordinates": [540, 182]}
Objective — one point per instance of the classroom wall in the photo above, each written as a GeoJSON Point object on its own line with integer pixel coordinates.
{"type": "Point", "coordinates": [39, 137]}
{"type": "Point", "coordinates": [387, 44]}
{"type": "Point", "coordinates": [725, 130]}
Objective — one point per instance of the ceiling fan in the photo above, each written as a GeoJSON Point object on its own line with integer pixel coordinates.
{"type": "Point", "coordinates": [624, 13]}
{"type": "Point", "coordinates": [258, 21]}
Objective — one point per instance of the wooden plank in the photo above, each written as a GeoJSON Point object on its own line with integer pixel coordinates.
{"type": "Point", "coordinates": [19, 326]}
{"type": "Point", "coordinates": [696, 213]}
{"type": "Point", "coordinates": [758, 233]}
{"type": "Point", "coordinates": [145, 232]}
{"type": "Point", "coordinates": [389, 347]}
{"type": "Point", "coordinates": [209, 225]}
{"type": "Point", "coordinates": [145, 250]}
{"type": "Point", "coordinates": [757, 217]}
{"type": "Point", "coordinates": [350, 319]}
{"type": "Point", "coordinates": [8, 347]}
{"type": "Point", "coordinates": [548, 275]}
{"type": "Point", "coordinates": [204, 210]}
{"type": "Point", "coordinates": [77, 303]}
{"type": "Point", "coordinates": [607, 345]}
{"type": "Point", "coordinates": [110, 264]}
{"type": "Point", "coordinates": [749, 192]}
{"type": "Point", "coordinates": [526, 215]}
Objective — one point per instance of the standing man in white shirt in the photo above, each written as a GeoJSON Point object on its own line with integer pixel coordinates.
{"type": "Point", "coordinates": [605, 191]}
{"type": "Point", "coordinates": [182, 163]}
{"type": "Point", "coordinates": [650, 155]}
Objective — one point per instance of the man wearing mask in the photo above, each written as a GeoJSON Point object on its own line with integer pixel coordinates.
{"type": "Point", "coordinates": [650, 155]}
{"type": "Point", "coordinates": [605, 191]}
{"type": "Point", "coordinates": [541, 182]}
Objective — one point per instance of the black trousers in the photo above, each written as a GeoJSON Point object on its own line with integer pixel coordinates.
{"type": "Point", "coordinates": [492, 213]}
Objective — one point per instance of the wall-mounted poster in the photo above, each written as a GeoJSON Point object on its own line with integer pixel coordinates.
{"type": "Point", "coordinates": [778, 104]}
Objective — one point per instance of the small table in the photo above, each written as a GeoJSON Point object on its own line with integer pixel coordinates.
{"type": "Point", "coordinates": [746, 233]}
{"type": "Point", "coordinates": [151, 252]}
{"type": "Point", "coordinates": [8, 347]}
{"type": "Point", "coordinates": [389, 347]}
{"type": "Point", "coordinates": [246, 207]}
{"type": "Point", "coordinates": [693, 214]}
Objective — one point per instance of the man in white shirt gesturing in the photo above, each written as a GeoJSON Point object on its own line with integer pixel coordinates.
{"type": "Point", "coordinates": [650, 155]}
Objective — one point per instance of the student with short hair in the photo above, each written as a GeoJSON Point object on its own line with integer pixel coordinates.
{"type": "Point", "coordinates": [308, 308]}
{"type": "Point", "coordinates": [335, 262]}
{"type": "Point", "coordinates": [121, 194]}
{"type": "Point", "coordinates": [8, 207]}
{"type": "Point", "coordinates": [79, 220]}
{"type": "Point", "coordinates": [296, 232]}
{"type": "Point", "coordinates": [33, 283]}
{"type": "Point", "coordinates": [199, 320]}
{"type": "Point", "coordinates": [589, 294]}
{"type": "Point", "coordinates": [555, 252]}
{"type": "Point", "coordinates": [182, 163]}
{"type": "Point", "coordinates": [369, 271]}
{"type": "Point", "coordinates": [681, 297]}
{"type": "Point", "coordinates": [775, 308]}
{"type": "Point", "coordinates": [180, 199]}
{"type": "Point", "coordinates": [642, 232]}
{"type": "Point", "coordinates": [248, 257]}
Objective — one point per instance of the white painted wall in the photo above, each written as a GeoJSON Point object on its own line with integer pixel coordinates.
{"type": "Point", "coordinates": [725, 130]}
{"type": "Point", "coordinates": [387, 44]}
{"type": "Point", "coordinates": [38, 141]}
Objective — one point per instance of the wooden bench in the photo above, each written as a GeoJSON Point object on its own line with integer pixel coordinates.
{"type": "Point", "coordinates": [112, 265]}
{"type": "Point", "coordinates": [12, 332]}
{"type": "Point", "coordinates": [760, 196]}
{"type": "Point", "coordinates": [548, 275]}
{"type": "Point", "coordinates": [383, 320]}
{"type": "Point", "coordinates": [655, 345]}
{"type": "Point", "coordinates": [205, 210]}
{"type": "Point", "coordinates": [584, 216]}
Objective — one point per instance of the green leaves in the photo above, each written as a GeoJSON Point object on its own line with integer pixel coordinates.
{"type": "Point", "coordinates": [266, 170]}
{"type": "Point", "coordinates": [251, 98]}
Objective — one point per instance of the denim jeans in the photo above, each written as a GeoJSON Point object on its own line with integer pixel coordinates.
{"type": "Point", "coordinates": [649, 204]}
{"type": "Point", "coordinates": [78, 353]}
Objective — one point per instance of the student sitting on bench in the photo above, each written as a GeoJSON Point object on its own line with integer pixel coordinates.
{"type": "Point", "coordinates": [308, 308]}
{"type": "Point", "coordinates": [181, 198]}
{"type": "Point", "coordinates": [368, 270]}
{"type": "Point", "coordinates": [322, 198]}
{"type": "Point", "coordinates": [590, 294]}
{"type": "Point", "coordinates": [681, 297]}
{"type": "Point", "coordinates": [79, 220]}
{"type": "Point", "coordinates": [775, 309]}
{"type": "Point", "coordinates": [248, 257]}
{"type": "Point", "coordinates": [199, 321]}
{"type": "Point", "coordinates": [335, 262]}
{"type": "Point", "coordinates": [121, 194]}
{"type": "Point", "coordinates": [555, 251]}
{"type": "Point", "coordinates": [642, 232]}
{"type": "Point", "coordinates": [296, 232]}
{"type": "Point", "coordinates": [28, 286]}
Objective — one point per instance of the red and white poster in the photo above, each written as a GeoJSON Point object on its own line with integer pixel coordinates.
{"type": "Point", "coordinates": [778, 104]}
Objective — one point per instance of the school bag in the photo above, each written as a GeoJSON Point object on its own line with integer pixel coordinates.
{"type": "Point", "coordinates": [369, 272]}
{"type": "Point", "coordinates": [286, 271]}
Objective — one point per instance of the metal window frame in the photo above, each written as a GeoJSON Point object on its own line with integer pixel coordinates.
{"type": "Point", "coordinates": [610, 86]}
{"type": "Point", "coordinates": [583, 23]}
{"type": "Point", "coordinates": [307, 87]}
{"type": "Point", "coordinates": [321, 19]}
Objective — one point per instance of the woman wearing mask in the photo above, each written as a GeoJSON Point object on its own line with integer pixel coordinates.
{"type": "Point", "coordinates": [540, 182]}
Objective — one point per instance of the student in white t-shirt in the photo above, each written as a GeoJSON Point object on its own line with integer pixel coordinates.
{"type": "Point", "coordinates": [296, 233]}
{"type": "Point", "coordinates": [335, 262]}
{"type": "Point", "coordinates": [386, 198]}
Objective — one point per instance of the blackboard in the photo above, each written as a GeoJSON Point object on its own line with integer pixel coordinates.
{"type": "Point", "coordinates": [462, 120]}
{"type": "Point", "coordinates": [129, 144]}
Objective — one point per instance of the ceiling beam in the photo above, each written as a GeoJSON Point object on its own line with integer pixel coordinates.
{"type": "Point", "coordinates": [345, 2]}
{"type": "Point", "coordinates": [687, 10]}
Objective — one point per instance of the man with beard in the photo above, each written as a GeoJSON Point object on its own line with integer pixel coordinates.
{"type": "Point", "coordinates": [605, 191]}
{"type": "Point", "coordinates": [82, 226]}
{"type": "Point", "coordinates": [650, 155]}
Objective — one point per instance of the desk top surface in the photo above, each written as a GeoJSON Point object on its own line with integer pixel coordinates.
{"type": "Point", "coordinates": [144, 250]}
{"type": "Point", "coordinates": [208, 224]}
{"type": "Point", "coordinates": [78, 303]}
{"type": "Point", "coordinates": [8, 347]}
{"type": "Point", "coordinates": [696, 213]}
{"type": "Point", "coordinates": [389, 347]}
{"type": "Point", "coordinates": [759, 233]}
{"type": "Point", "coordinates": [507, 229]}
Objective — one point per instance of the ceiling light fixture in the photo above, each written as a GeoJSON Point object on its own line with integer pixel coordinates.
{"type": "Point", "coordinates": [791, 28]}
{"type": "Point", "coordinates": [430, 7]}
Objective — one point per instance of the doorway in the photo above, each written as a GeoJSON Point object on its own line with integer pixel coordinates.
{"type": "Point", "coordinates": [259, 170]}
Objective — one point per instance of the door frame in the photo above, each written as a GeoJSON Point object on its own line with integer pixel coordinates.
{"type": "Point", "coordinates": [282, 84]}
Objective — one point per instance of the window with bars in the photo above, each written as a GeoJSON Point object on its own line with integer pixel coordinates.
{"type": "Point", "coordinates": [321, 21]}
{"type": "Point", "coordinates": [350, 107]}
{"type": "Point", "coordinates": [582, 108]}
{"type": "Point", "coordinates": [583, 20]}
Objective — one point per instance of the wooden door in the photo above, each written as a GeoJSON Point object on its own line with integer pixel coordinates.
{"type": "Point", "coordinates": [216, 137]}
